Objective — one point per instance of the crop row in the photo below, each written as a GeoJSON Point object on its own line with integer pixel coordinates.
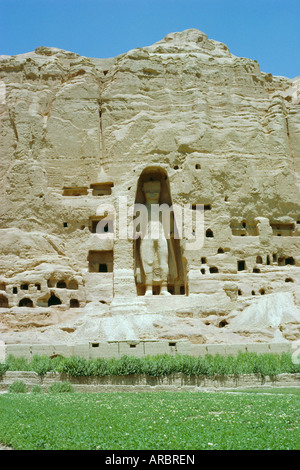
{"type": "Point", "coordinates": [243, 363]}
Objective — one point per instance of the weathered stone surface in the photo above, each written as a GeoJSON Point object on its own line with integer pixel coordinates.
{"type": "Point", "coordinates": [77, 134]}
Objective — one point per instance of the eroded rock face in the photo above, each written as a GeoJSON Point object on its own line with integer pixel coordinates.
{"type": "Point", "coordinates": [76, 136]}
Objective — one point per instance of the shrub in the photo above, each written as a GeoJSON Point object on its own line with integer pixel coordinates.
{"type": "Point", "coordinates": [75, 366]}
{"type": "Point", "coordinates": [17, 387]}
{"type": "Point", "coordinates": [55, 361]}
{"type": "Point", "coordinates": [17, 363]}
{"type": "Point", "coordinates": [37, 389]}
{"type": "Point", "coordinates": [159, 365]}
{"type": "Point", "coordinates": [100, 367]}
{"type": "Point", "coordinates": [267, 364]}
{"type": "Point", "coordinates": [245, 363]}
{"type": "Point", "coordinates": [126, 365]}
{"type": "Point", "coordinates": [3, 368]}
{"type": "Point", "coordinates": [185, 364]}
{"type": "Point", "coordinates": [287, 364]}
{"type": "Point", "coordinates": [41, 364]}
{"type": "Point", "coordinates": [61, 387]}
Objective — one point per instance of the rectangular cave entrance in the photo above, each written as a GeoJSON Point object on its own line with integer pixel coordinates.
{"type": "Point", "coordinates": [75, 191]}
{"type": "Point", "coordinates": [100, 261]}
{"type": "Point", "coordinates": [101, 189]}
{"type": "Point", "coordinates": [244, 229]}
{"type": "Point", "coordinates": [101, 224]}
{"type": "Point", "coordinates": [241, 265]}
{"type": "Point", "coordinates": [284, 230]}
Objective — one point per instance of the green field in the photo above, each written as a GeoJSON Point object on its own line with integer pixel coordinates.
{"type": "Point", "coordinates": [264, 420]}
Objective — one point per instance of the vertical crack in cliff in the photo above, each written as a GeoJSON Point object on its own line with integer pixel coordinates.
{"type": "Point", "coordinates": [13, 125]}
{"type": "Point", "coordinates": [101, 143]}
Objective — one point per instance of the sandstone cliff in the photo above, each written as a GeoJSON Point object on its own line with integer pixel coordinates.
{"type": "Point", "coordinates": [77, 133]}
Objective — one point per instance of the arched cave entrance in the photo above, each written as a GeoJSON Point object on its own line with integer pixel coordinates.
{"type": "Point", "coordinates": [74, 303]}
{"type": "Point", "coordinates": [26, 302]}
{"type": "Point", "coordinates": [54, 300]}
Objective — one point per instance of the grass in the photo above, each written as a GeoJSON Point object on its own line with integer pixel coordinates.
{"type": "Point", "coordinates": [155, 421]}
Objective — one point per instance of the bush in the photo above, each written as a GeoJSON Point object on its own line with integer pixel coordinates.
{"type": "Point", "coordinates": [161, 365]}
{"type": "Point", "coordinates": [17, 363]}
{"type": "Point", "coordinates": [17, 387]}
{"type": "Point", "coordinates": [37, 389]}
{"type": "Point", "coordinates": [41, 364]}
{"type": "Point", "coordinates": [3, 368]}
{"type": "Point", "coordinates": [287, 364]}
{"type": "Point", "coordinates": [126, 365]}
{"type": "Point", "coordinates": [245, 363]}
{"type": "Point", "coordinates": [61, 387]}
{"type": "Point", "coordinates": [100, 367]}
{"type": "Point", "coordinates": [55, 361]}
{"type": "Point", "coordinates": [75, 366]}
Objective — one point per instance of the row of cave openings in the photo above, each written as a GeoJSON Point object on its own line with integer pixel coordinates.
{"type": "Point", "coordinates": [261, 291]}
{"type": "Point", "coordinates": [53, 300]}
{"type": "Point", "coordinates": [283, 261]}
{"type": "Point", "coordinates": [72, 284]}
{"type": "Point", "coordinates": [46, 301]}
{"type": "Point", "coordinates": [278, 229]}
{"type": "Point", "coordinates": [241, 264]}
{"type": "Point", "coordinates": [242, 230]}
{"type": "Point", "coordinates": [27, 302]}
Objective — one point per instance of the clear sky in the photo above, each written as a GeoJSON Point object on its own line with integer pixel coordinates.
{"type": "Point", "coordinates": [265, 30]}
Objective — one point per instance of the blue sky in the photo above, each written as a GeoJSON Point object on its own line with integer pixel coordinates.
{"type": "Point", "coordinates": [265, 30]}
